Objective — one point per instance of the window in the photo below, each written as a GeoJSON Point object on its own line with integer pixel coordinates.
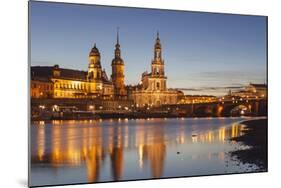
{"type": "Point", "coordinates": [157, 85]}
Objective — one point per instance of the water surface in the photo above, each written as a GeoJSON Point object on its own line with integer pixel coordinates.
{"type": "Point", "coordinates": [67, 152]}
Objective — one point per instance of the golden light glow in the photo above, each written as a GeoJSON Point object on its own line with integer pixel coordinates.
{"type": "Point", "coordinates": [222, 134]}
{"type": "Point", "coordinates": [219, 111]}
{"type": "Point", "coordinates": [91, 150]}
{"type": "Point", "coordinates": [41, 144]}
{"type": "Point", "coordinates": [140, 155]}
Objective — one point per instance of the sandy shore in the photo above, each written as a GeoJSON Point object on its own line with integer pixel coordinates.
{"type": "Point", "coordinates": [255, 136]}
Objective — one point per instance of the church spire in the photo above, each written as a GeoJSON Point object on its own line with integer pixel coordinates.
{"type": "Point", "coordinates": [117, 75]}
{"type": "Point", "coordinates": [157, 66]}
{"type": "Point", "coordinates": [117, 46]}
{"type": "Point", "coordinates": [157, 48]}
{"type": "Point", "coordinates": [157, 34]}
{"type": "Point", "coordinates": [117, 35]}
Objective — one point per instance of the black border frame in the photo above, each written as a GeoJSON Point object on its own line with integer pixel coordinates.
{"type": "Point", "coordinates": [115, 6]}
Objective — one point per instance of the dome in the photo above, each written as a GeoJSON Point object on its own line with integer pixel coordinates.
{"type": "Point", "coordinates": [94, 51]}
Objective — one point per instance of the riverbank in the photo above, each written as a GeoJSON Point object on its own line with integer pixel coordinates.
{"type": "Point", "coordinates": [112, 115]}
{"type": "Point", "coordinates": [256, 137]}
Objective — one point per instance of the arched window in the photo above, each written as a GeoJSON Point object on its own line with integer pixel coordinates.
{"type": "Point", "coordinates": [157, 70]}
{"type": "Point", "coordinates": [157, 85]}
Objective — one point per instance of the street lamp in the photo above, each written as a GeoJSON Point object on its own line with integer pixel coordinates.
{"type": "Point", "coordinates": [91, 107]}
{"type": "Point", "coordinates": [42, 107]}
{"type": "Point", "coordinates": [55, 108]}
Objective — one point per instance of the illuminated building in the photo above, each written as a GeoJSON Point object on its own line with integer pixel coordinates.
{"type": "Point", "coordinates": [252, 91]}
{"type": "Point", "coordinates": [259, 89]}
{"type": "Point", "coordinates": [117, 76]}
{"type": "Point", "coordinates": [41, 88]}
{"type": "Point", "coordinates": [68, 83]}
{"type": "Point", "coordinates": [153, 88]}
{"type": "Point", "coordinates": [194, 99]}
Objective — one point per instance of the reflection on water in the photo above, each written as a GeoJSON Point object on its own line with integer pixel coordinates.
{"type": "Point", "coordinates": [109, 150]}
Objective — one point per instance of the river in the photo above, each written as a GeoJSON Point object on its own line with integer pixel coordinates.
{"type": "Point", "coordinates": [69, 152]}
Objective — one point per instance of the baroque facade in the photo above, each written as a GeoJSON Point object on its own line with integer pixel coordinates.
{"type": "Point", "coordinates": [57, 82]}
{"type": "Point", "coordinates": [68, 83]}
{"type": "Point", "coordinates": [153, 88]}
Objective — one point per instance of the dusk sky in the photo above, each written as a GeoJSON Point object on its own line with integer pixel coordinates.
{"type": "Point", "coordinates": [204, 53]}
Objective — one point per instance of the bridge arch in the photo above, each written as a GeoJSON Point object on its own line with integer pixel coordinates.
{"type": "Point", "coordinates": [237, 109]}
{"type": "Point", "coordinates": [240, 110]}
{"type": "Point", "coordinates": [203, 110]}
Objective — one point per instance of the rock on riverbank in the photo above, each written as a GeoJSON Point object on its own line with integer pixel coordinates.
{"type": "Point", "coordinates": [256, 137]}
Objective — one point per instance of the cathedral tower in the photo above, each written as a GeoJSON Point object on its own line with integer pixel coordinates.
{"type": "Point", "coordinates": [118, 72]}
{"type": "Point", "coordinates": [157, 67]}
{"type": "Point", "coordinates": [95, 72]}
{"type": "Point", "coordinates": [152, 90]}
{"type": "Point", "coordinates": [94, 68]}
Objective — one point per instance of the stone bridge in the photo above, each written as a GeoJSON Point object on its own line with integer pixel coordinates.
{"type": "Point", "coordinates": [254, 107]}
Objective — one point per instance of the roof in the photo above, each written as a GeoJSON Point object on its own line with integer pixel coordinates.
{"type": "Point", "coordinates": [41, 79]}
{"type": "Point", "coordinates": [146, 74]}
{"type": "Point", "coordinates": [105, 78]}
{"type": "Point", "coordinates": [47, 73]}
{"type": "Point", "coordinates": [199, 96]}
{"type": "Point", "coordinates": [258, 85]}
{"type": "Point", "coordinates": [73, 74]}
{"type": "Point", "coordinates": [94, 51]}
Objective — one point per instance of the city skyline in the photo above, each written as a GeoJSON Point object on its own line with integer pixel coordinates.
{"type": "Point", "coordinates": [188, 39]}
{"type": "Point", "coordinates": [121, 94]}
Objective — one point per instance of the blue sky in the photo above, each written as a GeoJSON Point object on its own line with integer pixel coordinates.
{"type": "Point", "coordinates": [203, 52]}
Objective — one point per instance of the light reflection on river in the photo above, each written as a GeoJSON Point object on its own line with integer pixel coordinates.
{"type": "Point", "coordinates": [67, 152]}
